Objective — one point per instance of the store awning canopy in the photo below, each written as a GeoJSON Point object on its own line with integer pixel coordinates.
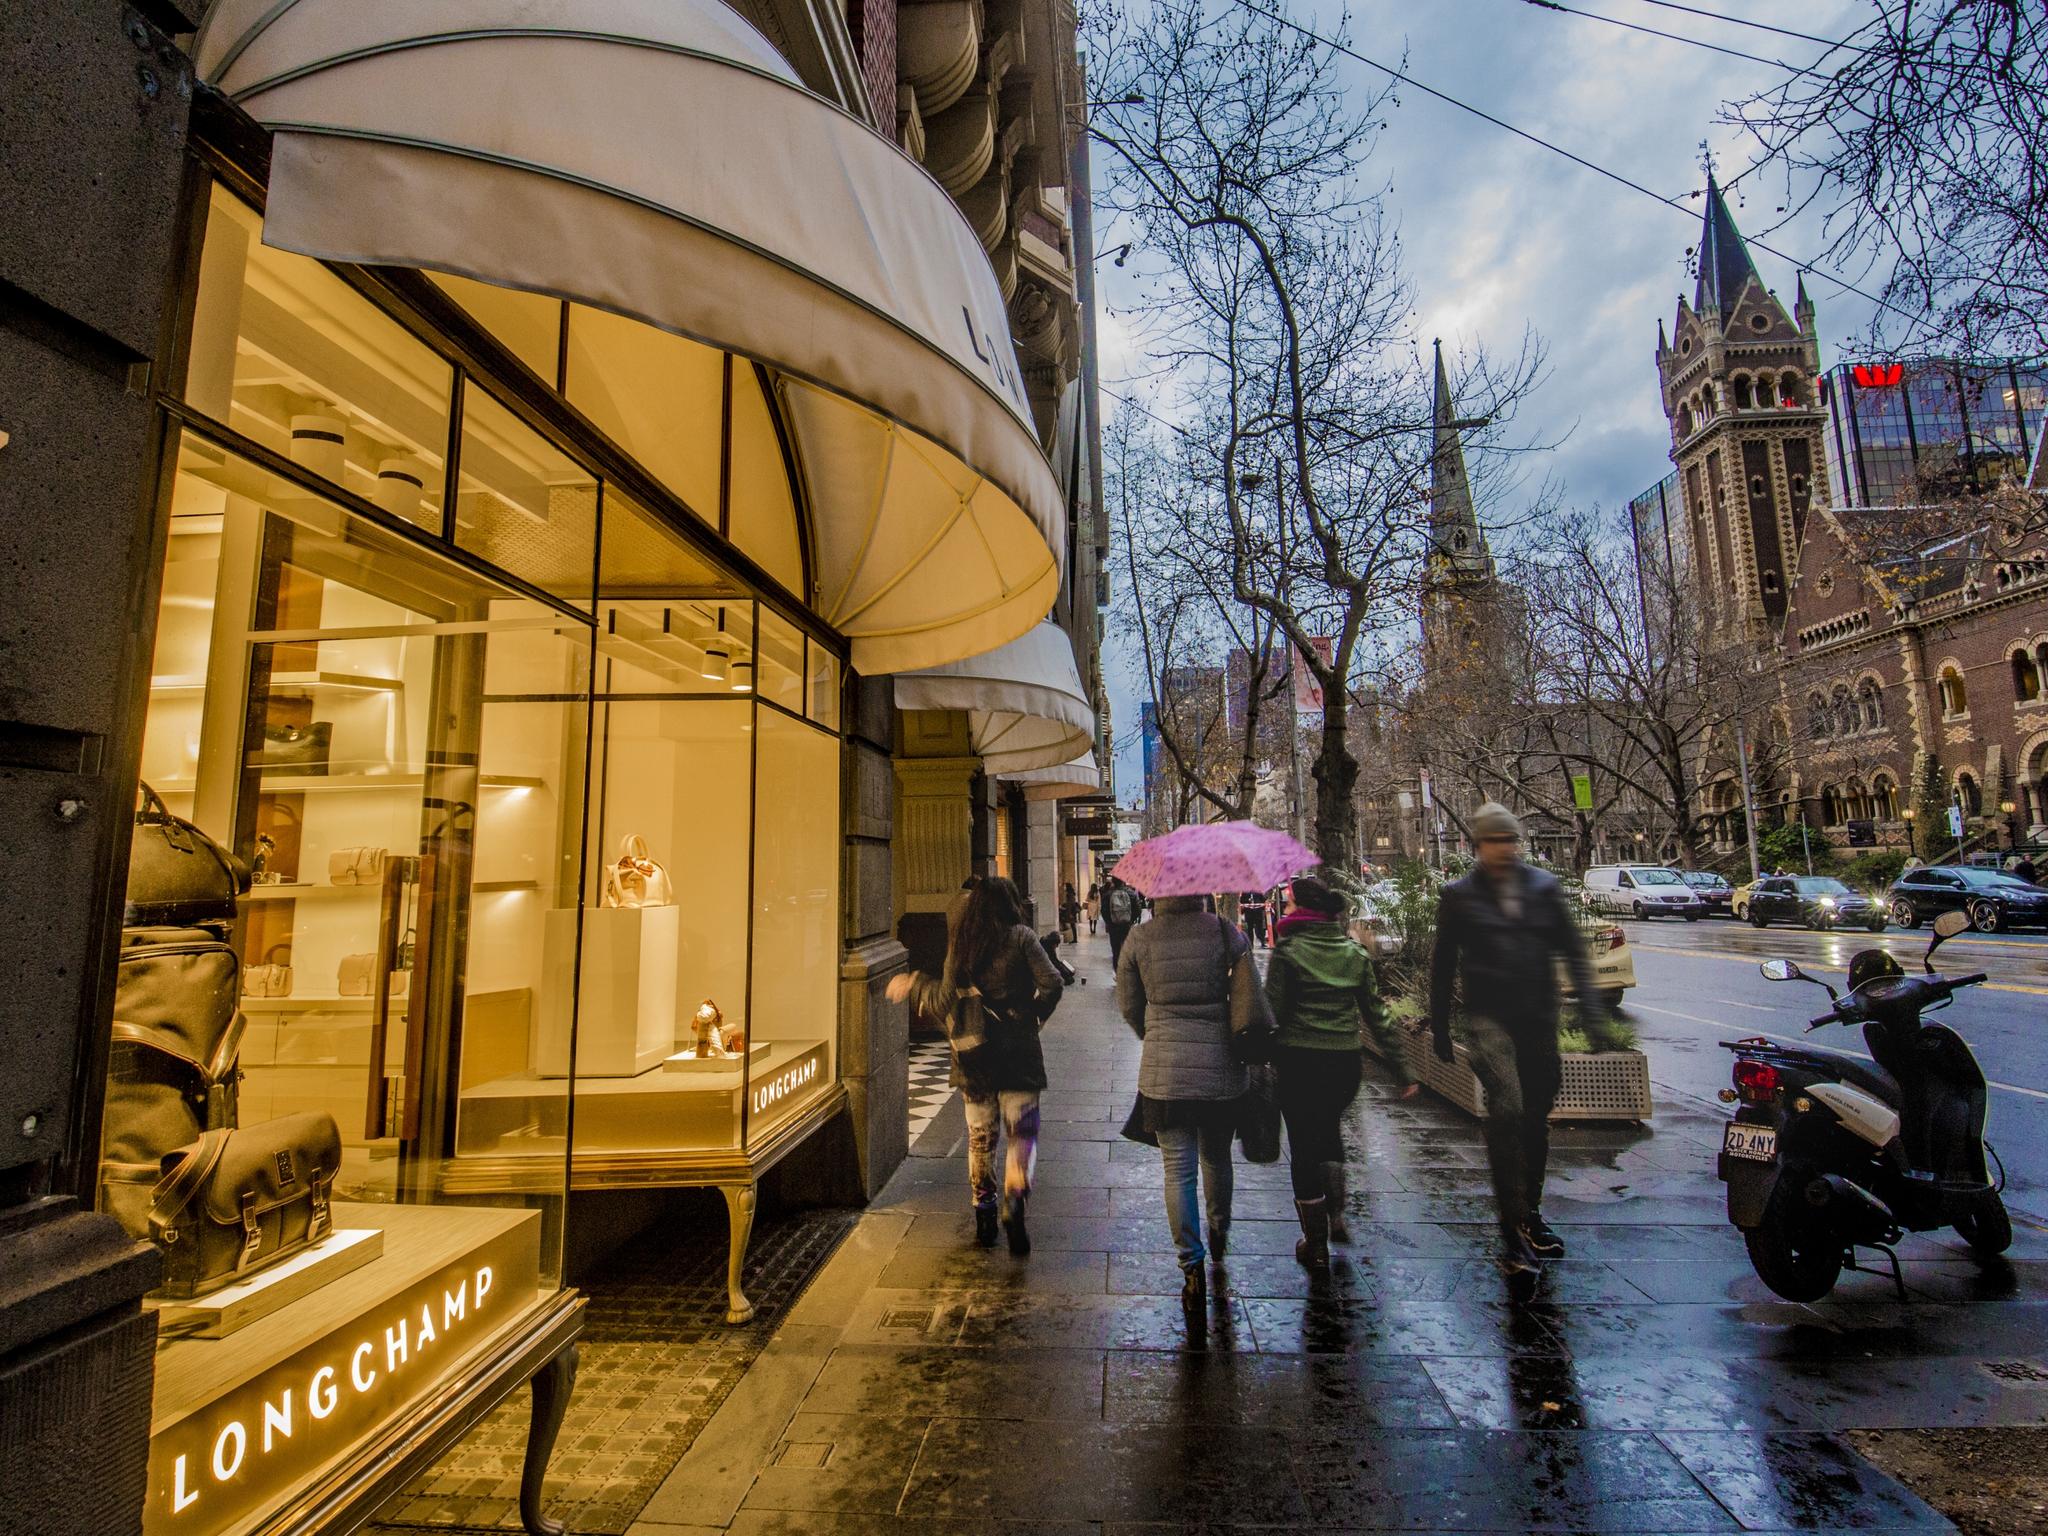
{"type": "Point", "coordinates": [657, 158]}
{"type": "Point", "coordinates": [1079, 777]}
{"type": "Point", "coordinates": [1025, 702]}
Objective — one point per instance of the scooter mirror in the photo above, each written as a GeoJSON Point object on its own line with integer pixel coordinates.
{"type": "Point", "coordinates": [1782, 970]}
{"type": "Point", "coordinates": [1949, 924]}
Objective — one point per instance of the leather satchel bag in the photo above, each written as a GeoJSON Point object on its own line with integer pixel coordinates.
{"type": "Point", "coordinates": [235, 1202]}
{"type": "Point", "coordinates": [295, 749]}
{"type": "Point", "coordinates": [636, 879]}
{"type": "Point", "coordinates": [273, 978]}
{"type": "Point", "coordinates": [357, 974]}
{"type": "Point", "coordinates": [356, 866]}
{"type": "Point", "coordinates": [1252, 1026]}
{"type": "Point", "coordinates": [177, 875]}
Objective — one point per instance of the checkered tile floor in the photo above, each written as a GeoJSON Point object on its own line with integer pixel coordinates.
{"type": "Point", "coordinates": [931, 1061]}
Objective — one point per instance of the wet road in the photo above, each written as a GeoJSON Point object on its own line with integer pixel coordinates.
{"type": "Point", "coordinates": [1698, 984]}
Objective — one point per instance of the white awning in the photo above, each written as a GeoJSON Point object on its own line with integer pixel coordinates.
{"type": "Point", "coordinates": [1080, 777]}
{"type": "Point", "coordinates": [1025, 702]}
{"type": "Point", "coordinates": [657, 158]}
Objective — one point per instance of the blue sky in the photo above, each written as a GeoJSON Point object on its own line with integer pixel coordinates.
{"type": "Point", "coordinates": [1500, 234]}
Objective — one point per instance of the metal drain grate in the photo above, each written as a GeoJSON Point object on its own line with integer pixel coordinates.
{"type": "Point", "coordinates": [2017, 1373]}
{"type": "Point", "coordinates": [919, 1321]}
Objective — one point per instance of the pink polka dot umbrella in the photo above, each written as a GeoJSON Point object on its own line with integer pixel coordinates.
{"type": "Point", "coordinates": [1199, 860]}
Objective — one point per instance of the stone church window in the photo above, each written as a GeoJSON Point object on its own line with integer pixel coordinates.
{"type": "Point", "coordinates": [1871, 698]}
{"type": "Point", "coordinates": [2026, 677]}
{"type": "Point", "coordinates": [1955, 696]}
{"type": "Point", "coordinates": [1817, 717]}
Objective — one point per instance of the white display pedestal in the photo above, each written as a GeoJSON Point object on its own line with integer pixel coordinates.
{"type": "Point", "coordinates": [628, 1019]}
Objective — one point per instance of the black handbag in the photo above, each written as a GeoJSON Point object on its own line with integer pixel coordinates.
{"type": "Point", "coordinates": [1258, 1116]}
{"type": "Point", "coordinates": [177, 875]}
{"type": "Point", "coordinates": [1252, 1026]}
{"type": "Point", "coordinates": [235, 1202]}
{"type": "Point", "coordinates": [291, 749]}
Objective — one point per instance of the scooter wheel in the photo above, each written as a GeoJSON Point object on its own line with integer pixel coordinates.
{"type": "Point", "coordinates": [1988, 1229]}
{"type": "Point", "coordinates": [1794, 1259]}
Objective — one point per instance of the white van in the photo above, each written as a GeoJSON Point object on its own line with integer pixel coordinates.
{"type": "Point", "coordinates": [1641, 890]}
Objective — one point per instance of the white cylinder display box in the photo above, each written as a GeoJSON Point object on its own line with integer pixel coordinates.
{"type": "Point", "coordinates": [628, 1019]}
{"type": "Point", "coordinates": [319, 442]}
{"type": "Point", "coordinates": [400, 484]}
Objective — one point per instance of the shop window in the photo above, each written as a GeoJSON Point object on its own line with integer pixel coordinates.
{"type": "Point", "coordinates": [391, 742]}
{"type": "Point", "coordinates": [821, 695]}
{"type": "Point", "coordinates": [1955, 695]}
{"type": "Point", "coordinates": [2026, 677]}
{"type": "Point", "coordinates": [658, 396]}
{"type": "Point", "coordinates": [763, 511]}
{"type": "Point", "coordinates": [779, 662]}
{"type": "Point", "coordinates": [287, 354]}
{"type": "Point", "coordinates": [528, 324]}
{"type": "Point", "coordinates": [523, 504]}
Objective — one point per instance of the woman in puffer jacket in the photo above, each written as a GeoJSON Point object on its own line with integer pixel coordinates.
{"type": "Point", "coordinates": [1173, 985]}
{"type": "Point", "coordinates": [1320, 983]}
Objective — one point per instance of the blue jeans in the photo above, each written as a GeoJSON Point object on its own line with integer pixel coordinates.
{"type": "Point", "coordinates": [1181, 1150]}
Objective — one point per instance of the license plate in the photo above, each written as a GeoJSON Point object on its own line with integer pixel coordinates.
{"type": "Point", "coordinates": [1756, 1143]}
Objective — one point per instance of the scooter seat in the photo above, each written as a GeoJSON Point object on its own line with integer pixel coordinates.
{"type": "Point", "coordinates": [1872, 1079]}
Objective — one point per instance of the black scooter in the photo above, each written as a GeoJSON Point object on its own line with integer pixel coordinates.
{"type": "Point", "coordinates": [1828, 1153]}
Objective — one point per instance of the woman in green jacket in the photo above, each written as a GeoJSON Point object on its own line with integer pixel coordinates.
{"type": "Point", "coordinates": [1320, 983]}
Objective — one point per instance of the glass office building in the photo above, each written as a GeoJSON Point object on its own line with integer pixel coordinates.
{"type": "Point", "coordinates": [1904, 432]}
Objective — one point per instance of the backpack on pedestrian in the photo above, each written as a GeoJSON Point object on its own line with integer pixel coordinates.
{"type": "Point", "coordinates": [1121, 905]}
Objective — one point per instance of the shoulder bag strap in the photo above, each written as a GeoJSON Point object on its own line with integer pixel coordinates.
{"type": "Point", "coordinates": [177, 1188]}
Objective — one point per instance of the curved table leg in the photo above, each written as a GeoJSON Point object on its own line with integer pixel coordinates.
{"type": "Point", "coordinates": [739, 1206]}
{"type": "Point", "coordinates": [552, 1384]}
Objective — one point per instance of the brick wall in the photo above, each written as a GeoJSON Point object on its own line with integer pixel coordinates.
{"type": "Point", "coordinates": [873, 24]}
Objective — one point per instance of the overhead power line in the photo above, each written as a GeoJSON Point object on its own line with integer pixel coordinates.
{"type": "Point", "coordinates": [1675, 37]}
{"type": "Point", "coordinates": [1755, 26]}
{"type": "Point", "coordinates": [1557, 149]}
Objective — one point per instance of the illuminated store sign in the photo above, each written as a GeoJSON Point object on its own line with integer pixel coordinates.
{"type": "Point", "coordinates": [780, 1085]}
{"type": "Point", "coordinates": [247, 1449]}
{"type": "Point", "coordinates": [1877, 375]}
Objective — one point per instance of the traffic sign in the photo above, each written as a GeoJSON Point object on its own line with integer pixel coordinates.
{"type": "Point", "coordinates": [1955, 821]}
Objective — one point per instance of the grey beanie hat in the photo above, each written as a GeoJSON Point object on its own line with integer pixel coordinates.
{"type": "Point", "coordinates": [1494, 820]}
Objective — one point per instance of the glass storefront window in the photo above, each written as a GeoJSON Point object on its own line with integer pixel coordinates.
{"type": "Point", "coordinates": [658, 396]}
{"type": "Point", "coordinates": [822, 693]}
{"type": "Point", "coordinates": [762, 515]}
{"type": "Point", "coordinates": [395, 745]}
{"type": "Point", "coordinates": [779, 667]}
{"type": "Point", "coordinates": [524, 504]}
{"type": "Point", "coordinates": [287, 354]}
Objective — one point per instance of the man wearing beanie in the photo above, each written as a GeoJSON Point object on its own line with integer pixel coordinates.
{"type": "Point", "coordinates": [1499, 934]}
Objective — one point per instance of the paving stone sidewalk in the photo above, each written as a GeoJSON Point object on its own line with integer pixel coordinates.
{"type": "Point", "coordinates": [922, 1385]}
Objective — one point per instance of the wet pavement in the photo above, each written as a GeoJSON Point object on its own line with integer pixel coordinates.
{"type": "Point", "coordinates": [922, 1385]}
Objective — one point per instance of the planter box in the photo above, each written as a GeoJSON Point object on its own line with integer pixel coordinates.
{"type": "Point", "coordinates": [1598, 1085]}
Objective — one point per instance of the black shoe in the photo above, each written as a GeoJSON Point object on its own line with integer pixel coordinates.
{"type": "Point", "coordinates": [1013, 1223]}
{"type": "Point", "coordinates": [1516, 1256]}
{"type": "Point", "coordinates": [1543, 1242]}
{"type": "Point", "coordinates": [985, 1226]}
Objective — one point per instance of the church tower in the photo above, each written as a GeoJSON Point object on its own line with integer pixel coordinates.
{"type": "Point", "coordinates": [1461, 593]}
{"type": "Point", "coordinates": [1740, 382]}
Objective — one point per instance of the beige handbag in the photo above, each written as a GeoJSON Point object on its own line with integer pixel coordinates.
{"type": "Point", "coordinates": [273, 978]}
{"type": "Point", "coordinates": [636, 880]}
{"type": "Point", "coordinates": [355, 866]}
{"type": "Point", "coordinates": [353, 977]}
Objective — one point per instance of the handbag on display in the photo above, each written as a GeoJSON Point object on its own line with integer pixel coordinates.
{"type": "Point", "coordinates": [273, 978]}
{"type": "Point", "coordinates": [295, 748]}
{"type": "Point", "coordinates": [172, 1067]}
{"type": "Point", "coordinates": [636, 879]}
{"type": "Point", "coordinates": [354, 976]}
{"type": "Point", "coordinates": [235, 1202]}
{"type": "Point", "coordinates": [1252, 1025]}
{"type": "Point", "coordinates": [356, 866]}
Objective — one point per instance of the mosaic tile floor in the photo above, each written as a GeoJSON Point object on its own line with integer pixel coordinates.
{"type": "Point", "coordinates": [931, 1062]}
{"type": "Point", "coordinates": [657, 1360]}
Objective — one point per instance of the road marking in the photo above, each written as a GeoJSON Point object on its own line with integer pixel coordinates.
{"type": "Point", "coordinates": [1816, 965]}
{"type": "Point", "coordinates": [1693, 1018]}
{"type": "Point", "coordinates": [1733, 1002]}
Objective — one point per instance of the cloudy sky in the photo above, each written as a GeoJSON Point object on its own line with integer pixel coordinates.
{"type": "Point", "coordinates": [1501, 234]}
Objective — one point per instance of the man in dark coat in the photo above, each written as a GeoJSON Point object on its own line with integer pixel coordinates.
{"type": "Point", "coordinates": [1500, 932]}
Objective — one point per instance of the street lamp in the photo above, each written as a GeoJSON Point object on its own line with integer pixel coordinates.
{"type": "Point", "coordinates": [2012, 826]}
{"type": "Point", "coordinates": [1912, 844]}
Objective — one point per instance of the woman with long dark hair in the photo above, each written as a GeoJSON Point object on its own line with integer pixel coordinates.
{"type": "Point", "coordinates": [992, 958]}
{"type": "Point", "coordinates": [1320, 983]}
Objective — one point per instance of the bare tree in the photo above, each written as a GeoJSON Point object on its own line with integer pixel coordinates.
{"type": "Point", "coordinates": [1236, 155]}
{"type": "Point", "coordinates": [1922, 138]}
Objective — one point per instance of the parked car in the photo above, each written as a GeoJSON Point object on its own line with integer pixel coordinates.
{"type": "Point", "coordinates": [1369, 927]}
{"type": "Point", "coordinates": [1990, 898]}
{"type": "Point", "coordinates": [1614, 967]}
{"type": "Point", "coordinates": [1641, 890]}
{"type": "Point", "coordinates": [1711, 888]}
{"type": "Point", "coordinates": [1817, 901]}
{"type": "Point", "coordinates": [1738, 901]}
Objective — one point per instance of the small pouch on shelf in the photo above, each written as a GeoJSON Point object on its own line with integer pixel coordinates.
{"type": "Point", "coordinates": [356, 866]}
{"type": "Point", "coordinates": [235, 1202]}
{"type": "Point", "coordinates": [352, 978]}
{"type": "Point", "coordinates": [272, 978]}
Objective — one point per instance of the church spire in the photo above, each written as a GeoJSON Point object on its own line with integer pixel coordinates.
{"type": "Point", "coordinates": [1458, 543]}
{"type": "Point", "coordinates": [1723, 258]}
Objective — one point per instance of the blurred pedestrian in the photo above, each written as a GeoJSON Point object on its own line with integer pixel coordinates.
{"type": "Point", "coordinates": [1320, 983]}
{"type": "Point", "coordinates": [1120, 909]}
{"type": "Point", "coordinates": [1093, 905]}
{"type": "Point", "coordinates": [1173, 985]}
{"type": "Point", "coordinates": [1252, 904]}
{"type": "Point", "coordinates": [991, 954]}
{"type": "Point", "coordinates": [1070, 913]}
{"type": "Point", "coordinates": [1500, 932]}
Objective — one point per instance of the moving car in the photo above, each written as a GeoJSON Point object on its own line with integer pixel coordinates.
{"type": "Point", "coordinates": [1818, 901]}
{"type": "Point", "coordinates": [1711, 888]}
{"type": "Point", "coordinates": [1641, 890]}
{"type": "Point", "coordinates": [1990, 898]}
{"type": "Point", "coordinates": [1614, 967]}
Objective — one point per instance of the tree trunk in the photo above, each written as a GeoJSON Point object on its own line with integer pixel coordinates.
{"type": "Point", "coordinates": [1336, 776]}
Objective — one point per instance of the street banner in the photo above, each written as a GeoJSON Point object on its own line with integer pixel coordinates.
{"type": "Point", "coordinates": [1428, 801]}
{"type": "Point", "coordinates": [1308, 693]}
{"type": "Point", "coordinates": [1582, 791]}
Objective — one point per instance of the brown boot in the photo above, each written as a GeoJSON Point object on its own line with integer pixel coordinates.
{"type": "Point", "coordinates": [1333, 1186]}
{"type": "Point", "coordinates": [1314, 1247]}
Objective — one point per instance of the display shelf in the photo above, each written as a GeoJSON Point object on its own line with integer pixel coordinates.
{"type": "Point", "coordinates": [307, 891]}
{"type": "Point", "coordinates": [313, 783]}
{"type": "Point", "coordinates": [286, 1004]}
{"type": "Point", "coordinates": [361, 682]}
